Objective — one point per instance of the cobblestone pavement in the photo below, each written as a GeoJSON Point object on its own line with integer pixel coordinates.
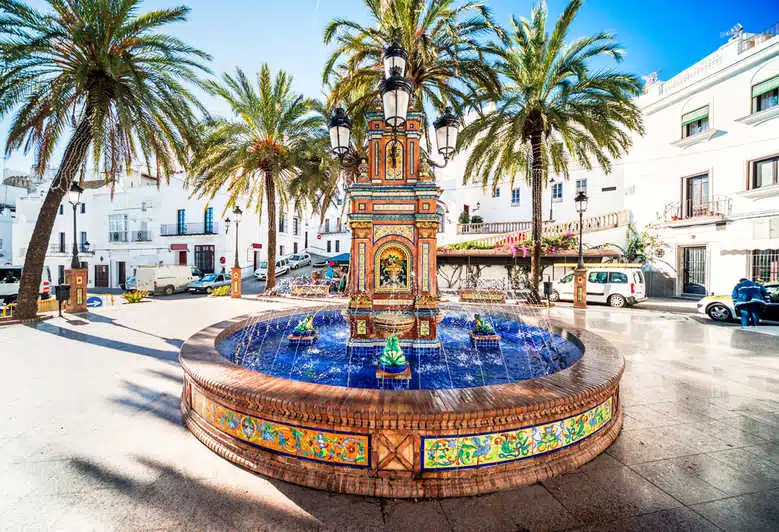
{"type": "Point", "coordinates": [91, 438]}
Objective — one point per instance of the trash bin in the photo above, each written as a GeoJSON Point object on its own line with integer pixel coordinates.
{"type": "Point", "coordinates": [62, 292]}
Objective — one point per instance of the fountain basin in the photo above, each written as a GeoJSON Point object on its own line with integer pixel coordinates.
{"type": "Point", "coordinates": [403, 443]}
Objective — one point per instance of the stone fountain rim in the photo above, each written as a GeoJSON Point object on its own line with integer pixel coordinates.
{"type": "Point", "coordinates": [592, 378]}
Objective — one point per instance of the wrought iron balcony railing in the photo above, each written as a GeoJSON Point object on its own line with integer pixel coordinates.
{"type": "Point", "coordinates": [718, 207]}
{"type": "Point", "coordinates": [141, 236]}
{"type": "Point", "coordinates": [117, 236]}
{"type": "Point", "coordinates": [189, 229]}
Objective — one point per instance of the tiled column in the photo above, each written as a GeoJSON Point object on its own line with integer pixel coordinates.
{"type": "Point", "coordinates": [77, 279]}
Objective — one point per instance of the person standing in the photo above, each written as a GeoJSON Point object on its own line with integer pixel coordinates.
{"type": "Point", "coordinates": [750, 299]}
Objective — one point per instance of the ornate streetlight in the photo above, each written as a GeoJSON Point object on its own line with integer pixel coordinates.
{"type": "Point", "coordinates": [551, 197]}
{"type": "Point", "coordinates": [74, 198]}
{"type": "Point", "coordinates": [580, 275]}
{"type": "Point", "coordinates": [235, 274]}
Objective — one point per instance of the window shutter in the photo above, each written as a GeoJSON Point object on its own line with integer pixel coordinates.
{"type": "Point", "coordinates": [697, 114]}
{"type": "Point", "coordinates": [765, 86]}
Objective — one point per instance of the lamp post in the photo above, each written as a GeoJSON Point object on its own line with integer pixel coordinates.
{"type": "Point", "coordinates": [74, 198]}
{"type": "Point", "coordinates": [551, 198]}
{"type": "Point", "coordinates": [76, 277]}
{"type": "Point", "coordinates": [235, 274]}
{"type": "Point", "coordinates": [580, 274]}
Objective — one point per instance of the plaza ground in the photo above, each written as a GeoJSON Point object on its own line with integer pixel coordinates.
{"type": "Point", "coordinates": [91, 437]}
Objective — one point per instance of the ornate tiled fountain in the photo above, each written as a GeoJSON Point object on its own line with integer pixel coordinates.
{"type": "Point", "coordinates": [485, 402]}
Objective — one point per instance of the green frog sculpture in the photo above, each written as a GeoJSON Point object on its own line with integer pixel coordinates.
{"type": "Point", "coordinates": [392, 359]}
{"type": "Point", "coordinates": [304, 333]}
{"type": "Point", "coordinates": [483, 334]}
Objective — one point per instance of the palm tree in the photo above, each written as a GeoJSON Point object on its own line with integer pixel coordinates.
{"type": "Point", "coordinates": [553, 109]}
{"type": "Point", "coordinates": [103, 74]}
{"type": "Point", "coordinates": [273, 138]}
{"type": "Point", "coordinates": [446, 60]}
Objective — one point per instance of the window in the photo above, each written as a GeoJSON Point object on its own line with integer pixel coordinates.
{"type": "Point", "coordinates": [117, 228]}
{"type": "Point", "coordinates": [83, 241]}
{"type": "Point", "coordinates": [567, 279]}
{"type": "Point", "coordinates": [181, 222]}
{"type": "Point", "coordinates": [695, 122]}
{"type": "Point", "coordinates": [581, 186]}
{"type": "Point", "coordinates": [282, 224]}
{"type": "Point", "coordinates": [327, 225]}
{"type": "Point", "coordinates": [204, 258]}
{"type": "Point", "coordinates": [295, 226]}
{"type": "Point", "coordinates": [83, 208]}
{"type": "Point", "coordinates": [764, 265]}
{"type": "Point", "coordinates": [496, 192]}
{"type": "Point", "coordinates": [765, 95]}
{"type": "Point", "coordinates": [638, 277]}
{"type": "Point", "coordinates": [208, 221]}
{"type": "Point", "coordinates": [515, 197]}
{"type": "Point", "coordinates": [329, 246]}
{"type": "Point", "coordinates": [62, 209]}
{"type": "Point", "coordinates": [62, 243]}
{"type": "Point", "coordinates": [696, 201]}
{"type": "Point", "coordinates": [337, 246]}
{"type": "Point", "coordinates": [281, 250]}
{"type": "Point", "coordinates": [294, 247]}
{"type": "Point", "coordinates": [557, 191]}
{"type": "Point", "coordinates": [61, 274]}
{"type": "Point", "coordinates": [598, 277]}
{"type": "Point", "coordinates": [764, 172]}
{"type": "Point", "coordinates": [618, 277]}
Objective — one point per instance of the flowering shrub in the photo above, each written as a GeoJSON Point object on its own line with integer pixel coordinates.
{"type": "Point", "coordinates": [549, 245]}
{"type": "Point", "coordinates": [221, 291]}
{"type": "Point", "coordinates": [135, 296]}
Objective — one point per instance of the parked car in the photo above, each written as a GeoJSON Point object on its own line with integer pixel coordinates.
{"type": "Point", "coordinates": [208, 283]}
{"type": "Point", "coordinates": [617, 286]}
{"type": "Point", "coordinates": [10, 276]}
{"type": "Point", "coordinates": [282, 267]}
{"type": "Point", "coordinates": [721, 308]}
{"type": "Point", "coordinates": [165, 279]}
{"type": "Point", "coordinates": [299, 260]}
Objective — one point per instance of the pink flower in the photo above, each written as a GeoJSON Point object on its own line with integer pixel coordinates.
{"type": "Point", "coordinates": [524, 252]}
{"type": "Point", "coordinates": [568, 234]}
{"type": "Point", "coordinates": [554, 249]}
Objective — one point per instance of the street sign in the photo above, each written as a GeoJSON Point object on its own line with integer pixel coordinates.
{"type": "Point", "coordinates": [94, 301]}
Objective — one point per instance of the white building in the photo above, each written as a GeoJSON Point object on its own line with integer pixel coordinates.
{"type": "Point", "coordinates": [144, 225]}
{"type": "Point", "coordinates": [332, 237]}
{"type": "Point", "coordinates": [705, 175]}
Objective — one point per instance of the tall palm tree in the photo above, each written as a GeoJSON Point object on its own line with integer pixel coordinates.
{"type": "Point", "coordinates": [553, 109]}
{"type": "Point", "coordinates": [446, 60]}
{"type": "Point", "coordinates": [273, 138]}
{"type": "Point", "coordinates": [102, 75]}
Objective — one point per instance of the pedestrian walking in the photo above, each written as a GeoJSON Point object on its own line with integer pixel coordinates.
{"type": "Point", "coordinates": [750, 299]}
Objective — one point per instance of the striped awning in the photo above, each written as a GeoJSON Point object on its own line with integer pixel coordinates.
{"type": "Point", "coordinates": [765, 86]}
{"type": "Point", "coordinates": [697, 114]}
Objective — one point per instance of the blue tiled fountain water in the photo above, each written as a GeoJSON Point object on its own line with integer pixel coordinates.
{"type": "Point", "coordinates": [525, 352]}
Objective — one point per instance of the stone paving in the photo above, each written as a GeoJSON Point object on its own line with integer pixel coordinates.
{"type": "Point", "coordinates": [90, 436]}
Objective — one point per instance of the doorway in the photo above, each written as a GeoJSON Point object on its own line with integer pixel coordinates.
{"type": "Point", "coordinates": [182, 258]}
{"type": "Point", "coordinates": [256, 259]}
{"type": "Point", "coordinates": [122, 272]}
{"type": "Point", "coordinates": [101, 275]}
{"type": "Point", "coordinates": [204, 258]}
{"type": "Point", "coordinates": [694, 271]}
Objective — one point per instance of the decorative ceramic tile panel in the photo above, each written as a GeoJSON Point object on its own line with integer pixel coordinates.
{"type": "Point", "coordinates": [338, 448]}
{"type": "Point", "coordinates": [424, 328]}
{"type": "Point", "coordinates": [487, 449]}
{"type": "Point", "coordinates": [380, 231]}
{"type": "Point", "coordinates": [361, 266]}
{"type": "Point", "coordinates": [393, 207]}
{"type": "Point", "coordinates": [362, 327]}
{"type": "Point", "coordinates": [425, 267]}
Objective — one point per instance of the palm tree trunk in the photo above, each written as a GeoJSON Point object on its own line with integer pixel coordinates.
{"type": "Point", "coordinates": [270, 198]}
{"type": "Point", "coordinates": [72, 160]}
{"type": "Point", "coordinates": [536, 183]}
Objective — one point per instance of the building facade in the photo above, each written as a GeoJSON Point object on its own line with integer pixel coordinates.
{"type": "Point", "coordinates": [139, 224]}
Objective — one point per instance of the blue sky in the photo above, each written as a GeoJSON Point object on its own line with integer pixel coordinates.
{"type": "Point", "coordinates": [662, 35]}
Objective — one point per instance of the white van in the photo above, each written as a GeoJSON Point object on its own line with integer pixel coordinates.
{"type": "Point", "coordinates": [616, 285]}
{"type": "Point", "coordinates": [282, 267]}
{"type": "Point", "coordinates": [10, 276]}
{"type": "Point", "coordinates": [165, 279]}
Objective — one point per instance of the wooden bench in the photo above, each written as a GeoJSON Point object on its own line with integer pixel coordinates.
{"type": "Point", "coordinates": [310, 290]}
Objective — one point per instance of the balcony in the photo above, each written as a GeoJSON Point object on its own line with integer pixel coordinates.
{"type": "Point", "coordinates": [337, 229]}
{"type": "Point", "coordinates": [684, 213]}
{"type": "Point", "coordinates": [57, 248]}
{"type": "Point", "coordinates": [117, 236]}
{"type": "Point", "coordinates": [487, 228]}
{"type": "Point", "coordinates": [189, 229]}
{"type": "Point", "coordinates": [141, 236]}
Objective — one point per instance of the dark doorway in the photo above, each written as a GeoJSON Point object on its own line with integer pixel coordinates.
{"type": "Point", "coordinates": [694, 271]}
{"type": "Point", "coordinates": [122, 271]}
{"type": "Point", "coordinates": [182, 258]}
{"type": "Point", "coordinates": [101, 275]}
{"type": "Point", "coordinates": [256, 259]}
{"type": "Point", "coordinates": [204, 258]}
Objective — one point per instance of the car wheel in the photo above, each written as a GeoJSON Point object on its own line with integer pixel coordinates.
{"type": "Point", "coordinates": [617, 301]}
{"type": "Point", "coordinates": [554, 296]}
{"type": "Point", "coordinates": [169, 290]}
{"type": "Point", "coordinates": [719, 312]}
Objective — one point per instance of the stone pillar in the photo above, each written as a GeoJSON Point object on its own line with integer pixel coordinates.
{"type": "Point", "coordinates": [580, 288]}
{"type": "Point", "coordinates": [77, 279]}
{"type": "Point", "coordinates": [235, 282]}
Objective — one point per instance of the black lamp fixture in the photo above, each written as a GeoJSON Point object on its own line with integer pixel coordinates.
{"type": "Point", "coordinates": [74, 198]}
{"type": "Point", "coordinates": [395, 95]}
{"type": "Point", "coordinates": [446, 127]}
{"type": "Point", "coordinates": [581, 206]}
{"type": "Point", "coordinates": [340, 133]}
{"type": "Point", "coordinates": [395, 57]}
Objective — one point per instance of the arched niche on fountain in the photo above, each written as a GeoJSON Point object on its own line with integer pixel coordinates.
{"type": "Point", "coordinates": [393, 266]}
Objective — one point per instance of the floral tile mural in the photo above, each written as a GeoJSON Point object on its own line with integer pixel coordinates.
{"type": "Point", "coordinates": [337, 448]}
{"type": "Point", "coordinates": [479, 450]}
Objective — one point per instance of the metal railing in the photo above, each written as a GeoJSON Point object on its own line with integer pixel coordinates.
{"type": "Point", "coordinates": [763, 265]}
{"type": "Point", "coordinates": [336, 229]}
{"type": "Point", "coordinates": [189, 229]}
{"type": "Point", "coordinates": [486, 228]}
{"type": "Point", "coordinates": [141, 236]}
{"type": "Point", "coordinates": [117, 236]}
{"type": "Point", "coordinates": [718, 207]}
{"type": "Point", "coordinates": [56, 247]}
